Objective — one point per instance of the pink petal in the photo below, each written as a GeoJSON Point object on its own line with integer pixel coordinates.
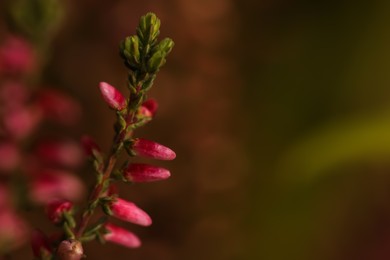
{"type": "Point", "coordinates": [137, 172]}
{"type": "Point", "coordinates": [112, 96]}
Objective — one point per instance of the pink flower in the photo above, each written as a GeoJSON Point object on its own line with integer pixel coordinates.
{"type": "Point", "coordinates": [59, 107]}
{"type": "Point", "coordinates": [112, 96]}
{"type": "Point", "coordinates": [65, 153]}
{"type": "Point", "coordinates": [40, 244]}
{"type": "Point", "coordinates": [151, 149]}
{"type": "Point", "coordinates": [9, 156]}
{"type": "Point", "coordinates": [16, 56]}
{"type": "Point", "coordinates": [128, 211]}
{"type": "Point", "coordinates": [148, 108]}
{"type": "Point", "coordinates": [56, 209]}
{"type": "Point", "coordinates": [55, 185]}
{"type": "Point", "coordinates": [137, 172]}
{"type": "Point", "coordinates": [13, 230]}
{"type": "Point", "coordinates": [121, 236]}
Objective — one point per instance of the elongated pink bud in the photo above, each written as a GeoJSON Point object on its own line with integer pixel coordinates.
{"type": "Point", "coordinates": [112, 96]}
{"type": "Point", "coordinates": [138, 172]}
{"type": "Point", "coordinates": [40, 244]}
{"type": "Point", "coordinates": [152, 149]}
{"type": "Point", "coordinates": [56, 209]}
{"type": "Point", "coordinates": [128, 211]}
{"type": "Point", "coordinates": [121, 236]}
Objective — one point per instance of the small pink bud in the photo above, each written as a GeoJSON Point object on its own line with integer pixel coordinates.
{"type": "Point", "coordinates": [121, 236]}
{"type": "Point", "coordinates": [9, 157]}
{"type": "Point", "coordinates": [144, 112]}
{"type": "Point", "coordinates": [154, 150]}
{"type": "Point", "coordinates": [128, 211]}
{"type": "Point", "coordinates": [64, 153]}
{"type": "Point", "coordinates": [17, 56]}
{"type": "Point", "coordinates": [112, 96]}
{"type": "Point", "coordinates": [138, 172]}
{"type": "Point", "coordinates": [148, 108]}
{"type": "Point", "coordinates": [56, 209]}
{"type": "Point", "coordinates": [40, 244]}
{"type": "Point", "coordinates": [70, 250]}
{"type": "Point", "coordinates": [59, 107]}
{"type": "Point", "coordinates": [55, 185]}
{"type": "Point", "coordinates": [90, 146]}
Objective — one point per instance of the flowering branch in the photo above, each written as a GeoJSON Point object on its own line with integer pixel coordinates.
{"type": "Point", "coordinates": [143, 55]}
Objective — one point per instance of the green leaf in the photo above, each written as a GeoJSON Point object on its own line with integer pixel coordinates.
{"type": "Point", "coordinates": [166, 45]}
{"type": "Point", "coordinates": [148, 28]}
{"type": "Point", "coordinates": [156, 61]}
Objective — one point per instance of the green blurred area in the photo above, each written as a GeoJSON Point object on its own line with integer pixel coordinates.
{"type": "Point", "coordinates": [317, 88]}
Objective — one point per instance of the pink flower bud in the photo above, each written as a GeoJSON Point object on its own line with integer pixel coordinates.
{"type": "Point", "coordinates": [16, 56]}
{"type": "Point", "coordinates": [19, 123]}
{"type": "Point", "coordinates": [55, 185]}
{"type": "Point", "coordinates": [138, 172]}
{"type": "Point", "coordinates": [9, 157]}
{"type": "Point", "coordinates": [64, 153]}
{"type": "Point", "coordinates": [56, 209]}
{"type": "Point", "coordinates": [90, 146]}
{"type": "Point", "coordinates": [59, 107]}
{"type": "Point", "coordinates": [148, 108]}
{"type": "Point", "coordinates": [144, 112]}
{"type": "Point", "coordinates": [128, 211]}
{"type": "Point", "coordinates": [13, 230]}
{"type": "Point", "coordinates": [121, 236]}
{"type": "Point", "coordinates": [70, 250]}
{"type": "Point", "coordinates": [154, 150]}
{"type": "Point", "coordinates": [40, 244]}
{"type": "Point", "coordinates": [112, 96]}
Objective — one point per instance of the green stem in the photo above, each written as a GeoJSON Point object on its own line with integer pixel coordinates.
{"type": "Point", "coordinates": [96, 193]}
{"type": "Point", "coordinates": [98, 190]}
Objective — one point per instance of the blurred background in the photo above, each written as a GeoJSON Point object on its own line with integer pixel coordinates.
{"type": "Point", "coordinates": [278, 110]}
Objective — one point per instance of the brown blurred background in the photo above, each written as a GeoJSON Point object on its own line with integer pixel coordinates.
{"type": "Point", "coordinates": [278, 111]}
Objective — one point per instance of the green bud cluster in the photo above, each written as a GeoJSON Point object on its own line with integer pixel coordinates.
{"type": "Point", "coordinates": [143, 55]}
